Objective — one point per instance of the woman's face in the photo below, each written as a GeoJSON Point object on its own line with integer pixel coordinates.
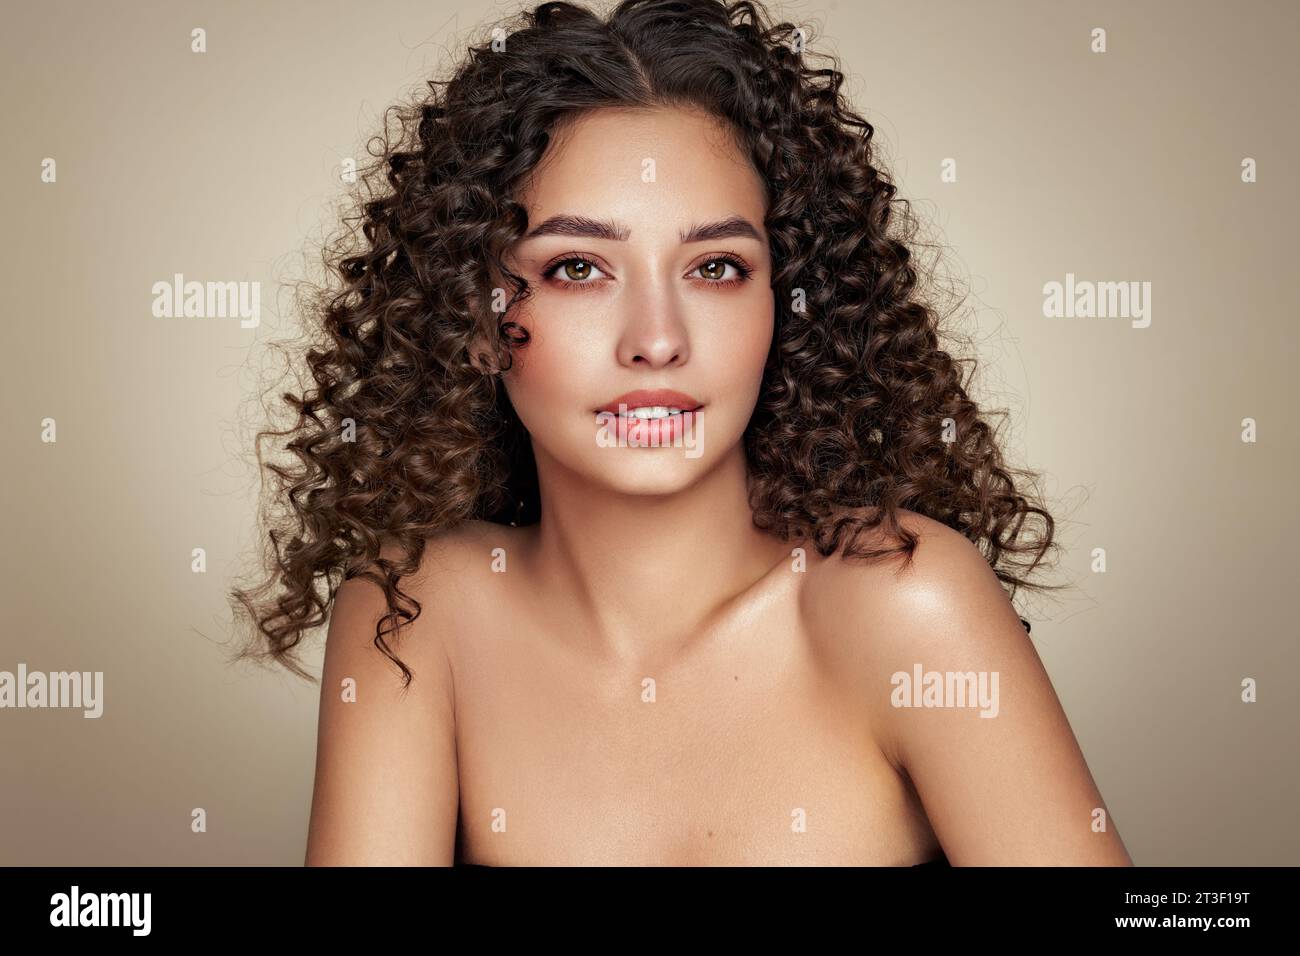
{"type": "Point", "coordinates": [650, 272]}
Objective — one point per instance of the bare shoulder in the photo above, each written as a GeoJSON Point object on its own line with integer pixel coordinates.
{"type": "Point", "coordinates": [387, 786]}
{"type": "Point", "coordinates": [461, 550]}
{"type": "Point", "coordinates": [945, 605]}
{"type": "Point", "coordinates": [453, 574]}
{"type": "Point", "coordinates": [902, 603]}
{"type": "Point", "coordinates": [961, 703]}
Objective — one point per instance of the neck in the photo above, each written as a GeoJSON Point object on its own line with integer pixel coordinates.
{"type": "Point", "coordinates": [648, 572]}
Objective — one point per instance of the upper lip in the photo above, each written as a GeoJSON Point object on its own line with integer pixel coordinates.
{"type": "Point", "coordinates": [644, 397]}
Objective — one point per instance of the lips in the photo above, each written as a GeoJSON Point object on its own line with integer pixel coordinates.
{"type": "Point", "coordinates": [651, 398]}
{"type": "Point", "coordinates": [650, 417]}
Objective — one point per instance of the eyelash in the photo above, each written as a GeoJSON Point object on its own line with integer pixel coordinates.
{"type": "Point", "coordinates": [730, 258]}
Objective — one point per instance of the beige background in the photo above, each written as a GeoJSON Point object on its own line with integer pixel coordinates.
{"type": "Point", "coordinates": [224, 166]}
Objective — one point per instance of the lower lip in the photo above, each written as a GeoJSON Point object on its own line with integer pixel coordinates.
{"type": "Point", "coordinates": [648, 432]}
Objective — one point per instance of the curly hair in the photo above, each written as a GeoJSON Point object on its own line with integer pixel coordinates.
{"type": "Point", "coordinates": [405, 430]}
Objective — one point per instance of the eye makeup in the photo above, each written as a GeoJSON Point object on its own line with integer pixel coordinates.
{"type": "Point", "coordinates": [742, 269]}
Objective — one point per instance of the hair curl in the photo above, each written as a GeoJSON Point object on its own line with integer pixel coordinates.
{"type": "Point", "coordinates": [861, 411]}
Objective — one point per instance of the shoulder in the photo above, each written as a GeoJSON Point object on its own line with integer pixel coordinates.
{"type": "Point", "coordinates": [945, 609]}
{"type": "Point", "coordinates": [386, 789]}
{"type": "Point", "coordinates": [946, 584]}
{"type": "Point", "coordinates": [452, 568]}
{"type": "Point", "coordinates": [456, 560]}
{"type": "Point", "coordinates": [959, 700]}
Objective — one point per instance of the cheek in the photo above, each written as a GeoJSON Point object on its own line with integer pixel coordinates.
{"type": "Point", "coordinates": [740, 347]}
{"type": "Point", "coordinates": [546, 377]}
{"type": "Point", "coordinates": [759, 343]}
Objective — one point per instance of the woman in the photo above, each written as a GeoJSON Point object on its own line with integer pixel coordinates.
{"type": "Point", "coordinates": [657, 527]}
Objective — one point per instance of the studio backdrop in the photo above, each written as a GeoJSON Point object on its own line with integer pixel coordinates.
{"type": "Point", "coordinates": [1112, 184]}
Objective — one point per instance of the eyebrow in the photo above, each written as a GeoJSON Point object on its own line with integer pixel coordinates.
{"type": "Point", "coordinates": [583, 226]}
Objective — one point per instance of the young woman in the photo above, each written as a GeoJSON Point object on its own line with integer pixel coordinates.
{"type": "Point", "coordinates": [656, 526]}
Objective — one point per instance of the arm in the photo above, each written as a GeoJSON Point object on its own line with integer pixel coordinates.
{"type": "Point", "coordinates": [386, 790]}
{"type": "Point", "coordinates": [1008, 790]}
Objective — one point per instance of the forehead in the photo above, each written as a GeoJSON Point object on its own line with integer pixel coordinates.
{"type": "Point", "coordinates": [648, 167]}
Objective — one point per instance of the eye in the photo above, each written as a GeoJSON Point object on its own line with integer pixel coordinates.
{"type": "Point", "coordinates": [715, 270]}
{"type": "Point", "coordinates": [574, 270]}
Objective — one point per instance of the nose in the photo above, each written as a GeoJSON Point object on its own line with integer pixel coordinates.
{"type": "Point", "coordinates": [654, 333]}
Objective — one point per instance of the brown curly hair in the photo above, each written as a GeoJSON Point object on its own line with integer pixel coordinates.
{"type": "Point", "coordinates": [861, 412]}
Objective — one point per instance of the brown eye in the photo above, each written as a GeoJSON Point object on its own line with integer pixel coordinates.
{"type": "Point", "coordinates": [577, 269]}
{"type": "Point", "coordinates": [715, 271]}
{"type": "Point", "coordinates": [573, 272]}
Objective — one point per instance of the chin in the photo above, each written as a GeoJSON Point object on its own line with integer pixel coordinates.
{"type": "Point", "coordinates": [645, 471]}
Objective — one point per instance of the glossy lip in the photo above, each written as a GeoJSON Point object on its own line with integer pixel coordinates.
{"type": "Point", "coordinates": [651, 433]}
{"type": "Point", "coordinates": [643, 398]}
{"type": "Point", "coordinates": [632, 432]}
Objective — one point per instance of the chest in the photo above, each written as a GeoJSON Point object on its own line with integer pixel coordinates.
{"type": "Point", "coordinates": [743, 751]}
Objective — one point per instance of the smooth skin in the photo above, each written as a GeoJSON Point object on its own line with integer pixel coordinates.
{"type": "Point", "coordinates": [651, 680]}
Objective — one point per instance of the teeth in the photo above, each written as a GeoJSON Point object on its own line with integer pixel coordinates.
{"type": "Point", "coordinates": [652, 411]}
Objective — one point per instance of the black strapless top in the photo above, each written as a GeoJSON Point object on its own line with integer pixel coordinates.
{"type": "Point", "coordinates": [940, 860]}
